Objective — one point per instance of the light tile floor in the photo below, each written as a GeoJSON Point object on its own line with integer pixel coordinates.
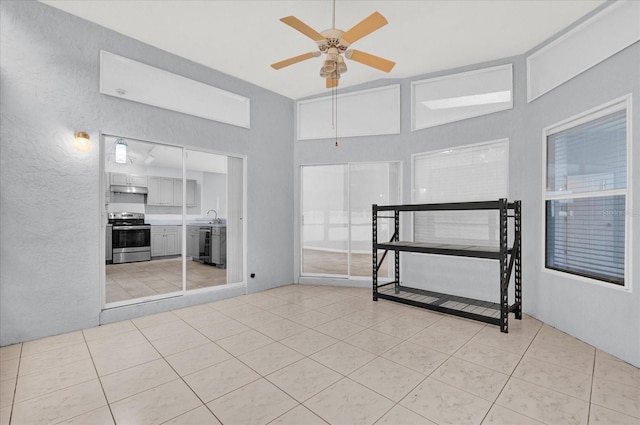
{"type": "Point", "coordinates": [304, 355]}
{"type": "Point", "coordinates": [147, 278]}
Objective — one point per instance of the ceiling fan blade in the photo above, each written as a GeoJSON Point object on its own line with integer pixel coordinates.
{"type": "Point", "coordinates": [331, 83]}
{"type": "Point", "coordinates": [297, 24]}
{"type": "Point", "coordinates": [364, 27]}
{"type": "Point", "coordinates": [371, 60]}
{"type": "Point", "coordinates": [295, 59]}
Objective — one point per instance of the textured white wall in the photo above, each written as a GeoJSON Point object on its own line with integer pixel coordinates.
{"type": "Point", "coordinates": [49, 210]}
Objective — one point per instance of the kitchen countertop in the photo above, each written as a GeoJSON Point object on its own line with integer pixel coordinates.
{"type": "Point", "coordinates": [179, 223]}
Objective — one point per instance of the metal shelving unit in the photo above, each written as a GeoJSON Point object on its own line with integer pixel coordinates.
{"type": "Point", "coordinates": [510, 259]}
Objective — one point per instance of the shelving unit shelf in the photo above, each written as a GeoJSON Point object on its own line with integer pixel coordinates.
{"type": "Point", "coordinates": [510, 260]}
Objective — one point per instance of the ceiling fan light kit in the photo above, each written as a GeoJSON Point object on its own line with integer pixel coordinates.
{"type": "Point", "coordinates": [334, 43]}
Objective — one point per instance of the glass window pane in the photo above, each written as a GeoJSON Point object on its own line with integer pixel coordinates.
{"type": "Point", "coordinates": [325, 220]}
{"type": "Point", "coordinates": [370, 183]}
{"type": "Point", "coordinates": [586, 236]}
{"type": "Point", "coordinates": [460, 96]}
{"type": "Point", "coordinates": [589, 157]}
{"type": "Point", "coordinates": [465, 174]}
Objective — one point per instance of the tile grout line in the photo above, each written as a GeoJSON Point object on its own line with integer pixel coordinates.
{"type": "Point", "coordinates": [511, 376]}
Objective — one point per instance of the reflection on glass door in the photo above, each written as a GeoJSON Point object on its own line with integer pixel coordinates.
{"type": "Point", "coordinates": [336, 216]}
{"type": "Point", "coordinates": [206, 220]}
{"type": "Point", "coordinates": [370, 183]}
{"type": "Point", "coordinates": [325, 217]}
{"type": "Point", "coordinates": [143, 260]}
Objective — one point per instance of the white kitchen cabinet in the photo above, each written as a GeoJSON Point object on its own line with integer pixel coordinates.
{"type": "Point", "coordinates": [160, 191]}
{"type": "Point", "coordinates": [193, 241]}
{"type": "Point", "coordinates": [177, 192]}
{"type": "Point", "coordinates": [165, 240]}
{"type": "Point", "coordinates": [124, 179]}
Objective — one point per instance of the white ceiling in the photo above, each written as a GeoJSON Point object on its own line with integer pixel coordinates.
{"type": "Point", "coordinates": [242, 38]}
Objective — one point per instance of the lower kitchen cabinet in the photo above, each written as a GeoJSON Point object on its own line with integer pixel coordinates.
{"type": "Point", "coordinates": [165, 240]}
{"type": "Point", "coordinates": [193, 241]}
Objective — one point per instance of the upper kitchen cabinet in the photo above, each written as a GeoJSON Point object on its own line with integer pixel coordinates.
{"type": "Point", "coordinates": [124, 179]}
{"type": "Point", "coordinates": [167, 191]}
{"type": "Point", "coordinates": [160, 191]}
{"type": "Point", "coordinates": [191, 192]}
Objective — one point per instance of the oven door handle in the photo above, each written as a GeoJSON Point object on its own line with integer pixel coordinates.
{"type": "Point", "coordinates": [131, 227]}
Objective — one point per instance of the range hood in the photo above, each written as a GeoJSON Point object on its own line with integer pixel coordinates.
{"type": "Point", "coordinates": [129, 189]}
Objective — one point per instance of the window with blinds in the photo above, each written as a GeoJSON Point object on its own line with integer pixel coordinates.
{"type": "Point", "coordinates": [464, 174]}
{"type": "Point", "coordinates": [586, 191]}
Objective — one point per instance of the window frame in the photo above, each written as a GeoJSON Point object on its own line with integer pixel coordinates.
{"type": "Point", "coordinates": [615, 105]}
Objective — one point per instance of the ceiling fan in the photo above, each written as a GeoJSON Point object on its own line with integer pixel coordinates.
{"type": "Point", "coordinates": [334, 43]}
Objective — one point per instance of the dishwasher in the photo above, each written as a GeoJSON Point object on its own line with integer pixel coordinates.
{"type": "Point", "coordinates": [213, 246]}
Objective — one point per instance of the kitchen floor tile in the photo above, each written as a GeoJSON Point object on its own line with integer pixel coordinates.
{"type": "Point", "coordinates": [373, 341]}
{"type": "Point", "coordinates": [347, 359]}
{"type": "Point", "coordinates": [543, 404]}
{"type": "Point", "coordinates": [470, 377]}
{"type": "Point", "coordinates": [347, 402]}
{"type": "Point", "coordinates": [198, 416]}
{"type": "Point", "coordinates": [387, 378]}
{"type": "Point", "coordinates": [59, 405]}
{"type": "Point", "coordinates": [200, 357]}
{"type": "Point", "coordinates": [599, 415]}
{"type": "Point", "coordinates": [499, 415]}
{"type": "Point", "coordinates": [270, 358]}
{"type": "Point", "coordinates": [57, 357]}
{"type": "Point", "coordinates": [444, 404]}
{"type": "Point", "coordinates": [116, 360]}
{"type": "Point", "coordinates": [615, 396]}
{"type": "Point", "coordinates": [7, 390]}
{"type": "Point", "coordinates": [180, 342]}
{"type": "Point", "coordinates": [299, 415]}
{"type": "Point", "coordinates": [280, 329]}
{"type": "Point", "coordinates": [244, 342]}
{"type": "Point", "coordinates": [99, 416]}
{"type": "Point", "coordinates": [136, 379]}
{"type": "Point", "coordinates": [257, 403]}
{"type": "Point", "coordinates": [223, 329]}
{"type": "Point", "coordinates": [555, 378]}
{"type": "Point", "coordinates": [309, 342]}
{"type": "Point", "coordinates": [487, 356]}
{"type": "Point", "coordinates": [55, 378]}
{"type": "Point", "coordinates": [220, 379]}
{"type": "Point", "coordinates": [52, 343]}
{"type": "Point", "coordinates": [617, 371]}
{"type": "Point", "coordinates": [339, 328]}
{"type": "Point", "coordinates": [399, 415]}
{"type": "Point", "coordinates": [304, 379]}
{"type": "Point", "coordinates": [343, 358]}
{"type": "Point", "coordinates": [111, 329]}
{"type": "Point", "coordinates": [156, 405]}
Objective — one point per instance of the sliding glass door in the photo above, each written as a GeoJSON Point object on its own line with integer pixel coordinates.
{"type": "Point", "coordinates": [336, 216]}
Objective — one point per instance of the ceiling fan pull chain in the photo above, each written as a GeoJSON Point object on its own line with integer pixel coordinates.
{"type": "Point", "coordinates": [335, 90]}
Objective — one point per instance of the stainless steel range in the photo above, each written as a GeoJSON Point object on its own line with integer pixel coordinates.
{"type": "Point", "coordinates": [131, 237]}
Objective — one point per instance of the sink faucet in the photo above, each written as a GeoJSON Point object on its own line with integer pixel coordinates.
{"type": "Point", "coordinates": [215, 220]}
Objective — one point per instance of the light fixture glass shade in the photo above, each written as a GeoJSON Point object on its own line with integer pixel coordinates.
{"type": "Point", "coordinates": [82, 141]}
{"type": "Point", "coordinates": [329, 66]}
{"type": "Point", "coordinates": [341, 67]}
{"type": "Point", "coordinates": [121, 151]}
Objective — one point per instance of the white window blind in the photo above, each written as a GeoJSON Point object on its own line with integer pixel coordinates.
{"type": "Point", "coordinates": [586, 197]}
{"type": "Point", "coordinates": [465, 174]}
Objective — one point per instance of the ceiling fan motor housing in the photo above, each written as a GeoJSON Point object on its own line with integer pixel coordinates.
{"type": "Point", "coordinates": [332, 39]}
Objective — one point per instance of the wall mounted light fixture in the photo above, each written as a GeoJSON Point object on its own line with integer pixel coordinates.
{"type": "Point", "coordinates": [82, 141]}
